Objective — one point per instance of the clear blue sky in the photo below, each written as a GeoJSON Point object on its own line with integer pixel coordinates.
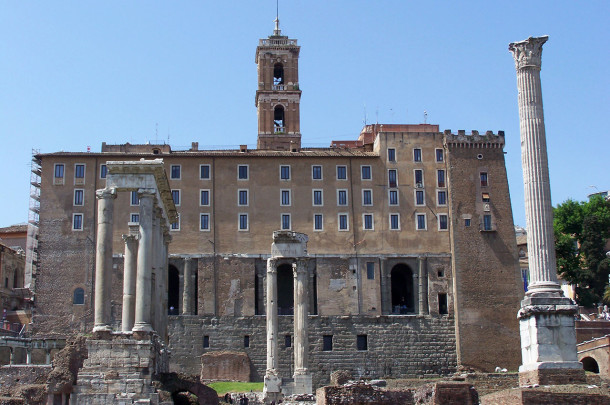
{"type": "Point", "coordinates": [77, 73]}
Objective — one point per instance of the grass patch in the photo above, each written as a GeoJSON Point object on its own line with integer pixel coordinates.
{"type": "Point", "coordinates": [222, 387]}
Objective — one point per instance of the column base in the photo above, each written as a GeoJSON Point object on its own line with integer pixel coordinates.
{"type": "Point", "coordinates": [142, 327]}
{"type": "Point", "coordinates": [552, 373]}
{"type": "Point", "coordinates": [302, 383]}
{"type": "Point", "coordinates": [272, 390]}
{"type": "Point", "coordinates": [102, 332]}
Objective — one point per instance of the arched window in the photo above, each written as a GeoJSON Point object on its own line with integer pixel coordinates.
{"type": "Point", "coordinates": [173, 291]}
{"type": "Point", "coordinates": [285, 290]}
{"type": "Point", "coordinates": [278, 119]}
{"type": "Point", "coordinates": [589, 364]}
{"type": "Point", "coordinates": [278, 75]}
{"type": "Point", "coordinates": [78, 297]}
{"type": "Point", "coordinates": [402, 290]}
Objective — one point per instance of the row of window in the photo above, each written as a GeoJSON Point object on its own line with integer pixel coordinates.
{"type": "Point", "coordinates": [327, 342]}
{"type": "Point", "coordinates": [417, 155]}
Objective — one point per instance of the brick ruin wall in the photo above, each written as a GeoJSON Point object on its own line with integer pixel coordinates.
{"type": "Point", "coordinates": [398, 346]}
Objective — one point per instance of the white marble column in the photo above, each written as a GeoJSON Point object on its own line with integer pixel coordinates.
{"type": "Point", "coordinates": [301, 312]}
{"type": "Point", "coordinates": [186, 288]}
{"type": "Point", "coordinates": [272, 317]}
{"type": "Point", "coordinates": [130, 261]}
{"type": "Point", "coordinates": [144, 272]}
{"type": "Point", "coordinates": [103, 259]}
{"type": "Point", "coordinates": [423, 285]}
{"type": "Point", "coordinates": [546, 317]}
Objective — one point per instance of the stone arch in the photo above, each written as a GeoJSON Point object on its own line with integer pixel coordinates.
{"type": "Point", "coordinates": [590, 364]}
{"type": "Point", "coordinates": [278, 74]}
{"type": "Point", "coordinates": [402, 291]}
{"type": "Point", "coordinates": [285, 289]}
{"type": "Point", "coordinates": [279, 119]}
{"type": "Point", "coordinates": [173, 290]}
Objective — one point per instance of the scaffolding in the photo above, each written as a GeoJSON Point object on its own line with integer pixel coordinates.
{"type": "Point", "coordinates": [31, 254]}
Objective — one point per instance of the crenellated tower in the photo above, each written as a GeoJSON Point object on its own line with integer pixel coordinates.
{"type": "Point", "coordinates": [278, 96]}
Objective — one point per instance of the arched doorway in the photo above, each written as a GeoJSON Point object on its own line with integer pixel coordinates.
{"type": "Point", "coordinates": [589, 364]}
{"type": "Point", "coordinates": [402, 289]}
{"type": "Point", "coordinates": [278, 119]}
{"type": "Point", "coordinates": [285, 290]}
{"type": "Point", "coordinates": [173, 291]}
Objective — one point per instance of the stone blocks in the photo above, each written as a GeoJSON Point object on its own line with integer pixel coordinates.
{"type": "Point", "coordinates": [226, 366]}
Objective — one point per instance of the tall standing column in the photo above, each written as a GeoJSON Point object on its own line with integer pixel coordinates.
{"type": "Point", "coordinates": [302, 378]}
{"type": "Point", "coordinates": [272, 386]}
{"type": "Point", "coordinates": [103, 259]}
{"type": "Point", "coordinates": [546, 317]}
{"type": "Point", "coordinates": [144, 272]}
{"type": "Point", "coordinates": [423, 285]}
{"type": "Point", "coordinates": [186, 288]}
{"type": "Point", "coordinates": [129, 279]}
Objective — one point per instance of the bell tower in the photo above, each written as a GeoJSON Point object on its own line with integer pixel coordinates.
{"type": "Point", "coordinates": [278, 96]}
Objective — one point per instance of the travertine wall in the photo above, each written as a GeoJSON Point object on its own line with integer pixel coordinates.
{"type": "Point", "coordinates": [398, 346]}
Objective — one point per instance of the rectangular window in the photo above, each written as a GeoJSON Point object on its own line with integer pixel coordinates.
{"type": "Point", "coordinates": [135, 200]}
{"type": "Point", "coordinates": [417, 155]}
{"type": "Point", "coordinates": [440, 174]}
{"type": "Point", "coordinates": [59, 170]}
{"type": "Point", "coordinates": [77, 222]}
{"type": "Point", "coordinates": [393, 197]}
{"type": "Point", "coordinates": [285, 197]}
{"type": "Point", "coordinates": [175, 172]}
{"type": "Point", "coordinates": [441, 197]}
{"type": "Point", "coordinates": [365, 172]}
{"type": "Point", "coordinates": [484, 182]}
{"type": "Point", "coordinates": [204, 222]}
{"type": "Point", "coordinates": [317, 222]}
{"type": "Point", "coordinates": [487, 222]}
{"type": "Point", "coordinates": [78, 196]}
{"type": "Point", "coordinates": [316, 172]}
{"type": "Point", "coordinates": [343, 224]}
{"type": "Point", "coordinates": [341, 197]}
{"type": "Point", "coordinates": [419, 197]}
{"type": "Point", "coordinates": [439, 155]}
{"type": "Point", "coordinates": [176, 225]}
{"type": "Point", "coordinates": [370, 270]}
{"type": "Point", "coordinates": [204, 172]}
{"type": "Point", "coordinates": [242, 197]}
{"type": "Point", "coordinates": [367, 197]}
{"type": "Point", "coordinates": [395, 222]}
{"type": "Point", "coordinates": [367, 222]}
{"type": "Point", "coordinates": [246, 341]}
{"type": "Point", "coordinates": [285, 172]}
{"type": "Point", "coordinates": [391, 155]}
{"type": "Point", "coordinates": [242, 172]}
{"type": "Point", "coordinates": [206, 342]}
{"type": "Point", "coordinates": [466, 221]}
{"type": "Point", "coordinates": [176, 197]}
{"type": "Point", "coordinates": [317, 197]}
{"type": "Point", "coordinates": [103, 171]}
{"type": "Point", "coordinates": [443, 223]}
{"type": "Point", "coordinates": [341, 173]}
{"type": "Point", "coordinates": [421, 222]}
{"type": "Point", "coordinates": [442, 304]}
{"type": "Point", "coordinates": [243, 222]}
{"type": "Point", "coordinates": [287, 341]}
{"type": "Point", "coordinates": [285, 222]}
{"type": "Point", "coordinates": [419, 178]}
{"type": "Point", "coordinates": [485, 197]}
{"type": "Point", "coordinates": [362, 342]}
{"type": "Point", "coordinates": [204, 199]}
{"type": "Point", "coordinates": [79, 171]}
{"type": "Point", "coordinates": [135, 218]}
{"type": "Point", "coordinates": [327, 343]}
{"type": "Point", "coordinates": [392, 178]}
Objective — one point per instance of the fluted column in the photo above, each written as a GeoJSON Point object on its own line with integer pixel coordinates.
{"type": "Point", "coordinates": [129, 279]}
{"type": "Point", "coordinates": [538, 208]}
{"type": "Point", "coordinates": [423, 285]}
{"type": "Point", "coordinates": [103, 259]}
{"type": "Point", "coordinates": [301, 312]}
{"type": "Point", "coordinates": [186, 288]}
{"type": "Point", "coordinates": [272, 320]}
{"type": "Point", "coordinates": [144, 272]}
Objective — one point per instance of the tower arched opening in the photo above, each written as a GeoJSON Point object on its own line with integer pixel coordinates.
{"type": "Point", "coordinates": [278, 119]}
{"type": "Point", "coordinates": [278, 75]}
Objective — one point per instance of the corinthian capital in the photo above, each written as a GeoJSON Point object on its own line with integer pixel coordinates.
{"type": "Point", "coordinates": [528, 53]}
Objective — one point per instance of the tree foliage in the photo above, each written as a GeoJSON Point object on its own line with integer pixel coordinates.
{"type": "Point", "coordinates": [582, 230]}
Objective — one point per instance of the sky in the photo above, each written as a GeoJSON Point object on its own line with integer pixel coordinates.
{"type": "Point", "coordinates": [74, 74]}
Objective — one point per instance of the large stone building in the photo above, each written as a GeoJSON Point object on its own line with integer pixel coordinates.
{"type": "Point", "coordinates": [412, 260]}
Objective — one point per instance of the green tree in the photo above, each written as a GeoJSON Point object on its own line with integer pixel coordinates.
{"type": "Point", "coordinates": [582, 230]}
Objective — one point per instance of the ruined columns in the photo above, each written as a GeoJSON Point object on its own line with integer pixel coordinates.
{"type": "Point", "coordinates": [301, 312]}
{"type": "Point", "coordinates": [272, 387]}
{"type": "Point", "coordinates": [546, 317]}
{"type": "Point", "coordinates": [423, 286]}
{"type": "Point", "coordinates": [129, 279]}
{"type": "Point", "coordinates": [103, 259]}
{"type": "Point", "coordinates": [144, 272]}
{"type": "Point", "coordinates": [186, 288]}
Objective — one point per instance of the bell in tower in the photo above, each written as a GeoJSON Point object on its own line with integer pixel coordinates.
{"type": "Point", "coordinates": [278, 96]}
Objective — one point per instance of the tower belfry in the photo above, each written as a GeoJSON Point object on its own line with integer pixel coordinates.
{"type": "Point", "coordinates": [278, 96]}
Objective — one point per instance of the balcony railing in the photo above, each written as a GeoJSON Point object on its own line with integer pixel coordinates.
{"type": "Point", "coordinates": [277, 41]}
{"type": "Point", "coordinates": [278, 87]}
{"type": "Point", "coordinates": [279, 130]}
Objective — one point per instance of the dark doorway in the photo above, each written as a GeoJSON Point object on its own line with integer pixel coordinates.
{"type": "Point", "coordinates": [184, 398]}
{"type": "Point", "coordinates": [278, 119]}
{"type": "Point", "coordinates": [402, 289]}
{"type": "Point", "coordinates": [589, 364]}
{"type": "Point", "coordinates": [285, 290]}
{"type": "Point", "coordinates": [173, 291]}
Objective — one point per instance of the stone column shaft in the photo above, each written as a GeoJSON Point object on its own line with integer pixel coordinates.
{"type": "Point", "coordinates": [129, 282]}
{"type": "Point", "coordinates": [272, 318]}
{"type": "Point", "coordinates": [144, 272]}
{"type": "Point", "coordinates": [301, 312]}
{"type": "Point", "coordinates": [423, 285]}
{"type": "Point", "coordinates": [103, 259]}
{"type": "Point", "coordinates": [186, 288]}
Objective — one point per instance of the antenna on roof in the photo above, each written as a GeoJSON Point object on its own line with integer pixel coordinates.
{"type": "Point", "coordinates": [425, 117]}
{"type": "Point", "coordinates": [277, 30]}
{"type": "Point", "coordinates": [156, 132]}
{"type": "Point", "coordinates": [364, 114]}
